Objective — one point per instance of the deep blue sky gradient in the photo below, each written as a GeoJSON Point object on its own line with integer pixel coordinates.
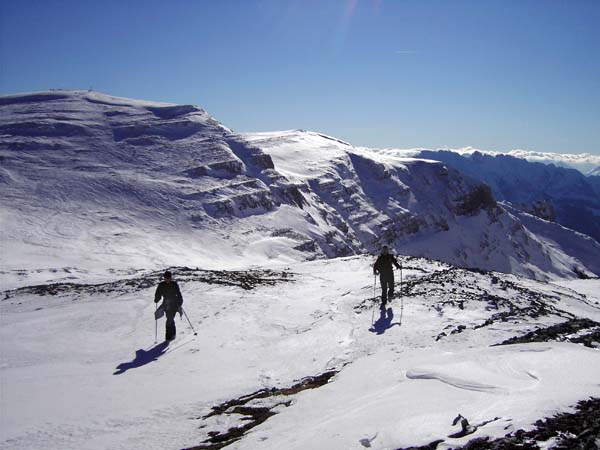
{"type": "Point", "coordinates": [496, 75]}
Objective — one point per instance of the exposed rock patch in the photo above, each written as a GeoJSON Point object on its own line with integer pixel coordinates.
{"type": "Point", "coordinates": [245, 279]}
{"type": "Point", "coordinates": [255, 409]}
{"type": "Point", "coordinates": [579, 430]}
{"type": "Point", "coordinates": [577, 331]}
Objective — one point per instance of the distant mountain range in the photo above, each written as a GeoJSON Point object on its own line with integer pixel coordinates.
{"type": "Point", "coordinates": [558, 194]}
{"type": "Point", "coordinates": [90, 179]}
{"type": "Point", "coordinates": [584, 162]}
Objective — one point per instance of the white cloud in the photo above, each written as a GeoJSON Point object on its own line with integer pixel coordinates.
{"type": "Point", "coordinates": [584, 162]}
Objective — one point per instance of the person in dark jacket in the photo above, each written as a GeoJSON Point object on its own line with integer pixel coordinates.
{"type": "Point", "coordinates": [168, 290]}
{"type": "Point", "coordinates": [384, 267]}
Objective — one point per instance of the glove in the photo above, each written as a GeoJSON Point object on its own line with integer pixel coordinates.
{"type": "Point", "coordinates": [180, 311]}
{"type": "Point", "coordinates": [160, 311]}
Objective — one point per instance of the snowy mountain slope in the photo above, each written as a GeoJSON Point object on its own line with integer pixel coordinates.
{"type": "Point", "coordinates": [556, 235]}
{"type": "Point", "coordinates": [100, 192]}
{"type": "Point", "coordinates": [594, 180]}
{"type": "Point", "coordinates": [97, 182]}
{"type": "Point", "coordinates": [420, 207]}
{"type": "Point", "coordinates": [137, 180]}
{"type": "Point", "coordinates": [93, 181]}
{"type": "Point", "coordinates": [594, 172]}
{"type": "Point", "coordinates": [556, 193]}
{"type": "Point", "coordinates": [298, 357]}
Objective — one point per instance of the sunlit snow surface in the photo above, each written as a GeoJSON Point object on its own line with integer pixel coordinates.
{"type": "Point", "coordinates": [71, 378]}
{"type": "Point", "coordinates": [102, 193]}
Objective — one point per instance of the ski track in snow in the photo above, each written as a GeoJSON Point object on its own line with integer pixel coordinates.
{"type": "Point", "coordinates": [74, 379]}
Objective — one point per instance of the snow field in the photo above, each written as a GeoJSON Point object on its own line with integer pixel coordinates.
{"type": "Point", "coordinates": [396, 399]}
{"type": "Point", "coordinates": [83, 371]}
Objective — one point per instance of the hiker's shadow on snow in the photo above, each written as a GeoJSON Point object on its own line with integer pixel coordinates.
{"type": "Point", "coordinates": [142, 357]}
{"type": "Point", "coordinates": [384, 322]}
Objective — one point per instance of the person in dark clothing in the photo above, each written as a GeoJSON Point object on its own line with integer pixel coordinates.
{"type": "Point", "coordinates": [384, 267]}
{"type": "Point", "coordinates": [168, 290]}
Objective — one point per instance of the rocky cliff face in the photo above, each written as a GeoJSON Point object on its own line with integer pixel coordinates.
{"type": "Point", "coordinates": [420, 207]}
{"type": "Point", "coordinates": [93, 177]}
{"type": "Point", "coordinates": [552, 193]}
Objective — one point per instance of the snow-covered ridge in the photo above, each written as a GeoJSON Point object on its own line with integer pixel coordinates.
{"type": "Point", "coordinates": [584, 162]}
{"type": "Point", "coordinates": [90, 178]}
{"type": "Point", "coordinates": [92, 96]}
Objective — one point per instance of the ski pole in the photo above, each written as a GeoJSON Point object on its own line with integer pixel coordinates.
{"type": "Point", "coordinates": [401, 297]}
{"type": "Point", "coordinates": [155, 323]}
{"type": "Point", "coordinates": [374, 285]}
{"type": "Point", "coordinates": [374, 295]}
{"type": "Point", "coordinates": [189, 321]}
{"type": "Point", "coordinates": [400, 281]}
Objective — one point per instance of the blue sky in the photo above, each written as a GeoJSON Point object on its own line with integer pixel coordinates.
{"type": "Point", "coordinates": [496, 75]}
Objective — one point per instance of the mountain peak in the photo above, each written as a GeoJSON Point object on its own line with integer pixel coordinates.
{"type": "Point", "coordinates": [75, 94]}
{"type": "Point", "coordinates": [98, 176]}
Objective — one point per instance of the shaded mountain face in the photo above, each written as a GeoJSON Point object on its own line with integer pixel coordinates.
{"type": "Point", "coordinates": [594, 180]}
{"type": "Point", "coordinates": [90, 179]}
{"type": "Point", "coordinates": [552, 193]}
